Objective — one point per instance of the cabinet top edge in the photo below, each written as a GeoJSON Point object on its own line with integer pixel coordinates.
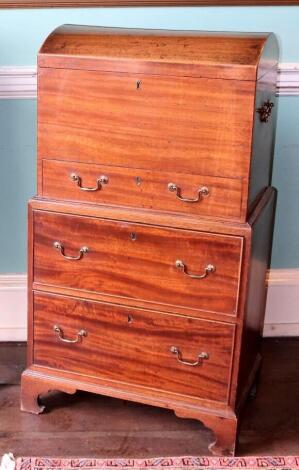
{"type": "Point", "coordinates": [235, 55]}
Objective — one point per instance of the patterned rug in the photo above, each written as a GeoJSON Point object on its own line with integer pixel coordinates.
{"type": "Point", "coordinates": [171, 463]}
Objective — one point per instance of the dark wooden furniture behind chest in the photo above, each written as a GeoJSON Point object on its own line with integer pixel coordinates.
{"type": "Point", "coordinates": [150, 236]}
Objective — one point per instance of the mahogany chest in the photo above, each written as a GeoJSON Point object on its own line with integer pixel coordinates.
{"type": "Point", "coordinates": [150, 235]}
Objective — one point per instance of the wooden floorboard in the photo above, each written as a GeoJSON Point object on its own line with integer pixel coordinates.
{"type": "Point", "coordinates": [12, 362]}
{"type": "Point", "coordinates": [88, 425]}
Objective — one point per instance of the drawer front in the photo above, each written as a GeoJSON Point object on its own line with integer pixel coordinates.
{"type": "Point", "coordinates": [166, 266]}
{"type": "Point", "coordinates": [193, 194]}
{"type": "Point", "coordinates": [134, 346]}
{"type": "Point", "coordinates": [200, 126]}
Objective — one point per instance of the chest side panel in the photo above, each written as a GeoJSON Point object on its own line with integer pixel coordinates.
{"type": "Point", "coordinates": [265, 117]}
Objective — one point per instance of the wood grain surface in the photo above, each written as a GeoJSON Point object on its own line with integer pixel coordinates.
{"type": "Point", "coordinates": [95, 3]}
{"type": "Point", "coordinates": [133, 346]}
{"type": "Point", "coordinates": [134, 261]}
{"type": "Point", "coordinates": [155, 299]}
{"type": "Point", "coordinates": [12, 361]}
{"type": "Point", "coordinates": [263, 140]}
{"type": "Point", "coordinates": [145, 189]}
{"type": "Point", "coordinates": [206, 54]}
{"type": "Point", "coordinates": [187, 125]}
{"type": "Point", "coordinates": [262, 232]}
{"type": "Point", "coordinates": [102, 427]}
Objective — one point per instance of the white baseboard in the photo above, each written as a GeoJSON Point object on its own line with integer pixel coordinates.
{"type": "Point", "coordinates": [19, 82]}
{"type": "Point", "coordinates": [281, 313]}
{"type": "Point", "coordinates": [13, 307]}
{"type": "Point", "coordinates": [282, 303]}
{"type": "Point", "coordinates": [280, 329]}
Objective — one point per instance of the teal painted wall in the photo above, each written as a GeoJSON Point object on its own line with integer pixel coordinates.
{"type": "Point", "coordinates": [22, 32]}
{"type": "Point", "coordinates": [17, 179]}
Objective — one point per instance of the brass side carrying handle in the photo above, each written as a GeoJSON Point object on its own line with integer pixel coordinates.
{"type": "Point", "coordinates": [60, 248]}
{"type": "Point", "coordinates": [265, 111]}
{"type": "Point", "coordinates": [209, 269]}
{"type": "Point", "coordinates": [60, 334]}
{"type": "Point", "coordinates": [100, 181]}
{"type": "Point", "coordinates": [201, 356]}
{"type": "Point", "coordinates": [201, 192]}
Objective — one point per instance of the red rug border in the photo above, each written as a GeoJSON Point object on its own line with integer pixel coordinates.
{"type": "Point", "coordinates": [184, 463]}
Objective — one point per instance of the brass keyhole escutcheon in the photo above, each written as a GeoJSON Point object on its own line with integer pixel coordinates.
{"type": "Point", "coordinates": [130, 319]}
{"type": "Point", "coordinates": [138, 180]}
{"type": "Point", "coordinates": [138, 84]}
{"type": "Point", "coordinates": [133, 236]}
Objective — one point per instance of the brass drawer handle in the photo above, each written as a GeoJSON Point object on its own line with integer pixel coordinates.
{"type": "Point", "coordinates": [100, 181]}
{"type": "Point", "coordinates": [201, 356]}
{"type": "Point", "coordinates": [201, 192]}
{"type": "Point", "coordinates": [60, 335]}
{"type": "Point", "coordinates": [210, 268]}
{"type": "Point", "coordinates": [60, 248]}
{"type": "Point", "coordinates": [265, 111]}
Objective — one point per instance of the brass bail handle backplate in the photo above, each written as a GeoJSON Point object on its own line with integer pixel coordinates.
{"type": "Point", "coordinates": [60, 334]}
{"type": "Point", "coordinates": [59, 246]}
{"type": "Point", "coordinates": [209, 269]}
{"type": "Point", "coordinates": [100, 181]}
{"type": "Point", "coordinates": [200, 357]}
{"type": "Point", "coordinates": [203, 191]}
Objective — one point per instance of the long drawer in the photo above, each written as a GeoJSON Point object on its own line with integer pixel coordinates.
{"type": "Point", "coordinates": [161, 351]}
{"type": "Point", "coordinates": [163, 266]}
{"type": "Point", "coordinates": [174, 192]}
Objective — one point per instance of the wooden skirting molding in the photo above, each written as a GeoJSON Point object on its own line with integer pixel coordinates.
{"type": "Point", "coordinates": [19, 82]}
{"type": "Point", "coordinates": [281, 312]}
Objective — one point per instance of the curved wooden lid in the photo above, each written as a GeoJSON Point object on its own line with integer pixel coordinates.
{"type": "Point", "coordinates": [242, 56]}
